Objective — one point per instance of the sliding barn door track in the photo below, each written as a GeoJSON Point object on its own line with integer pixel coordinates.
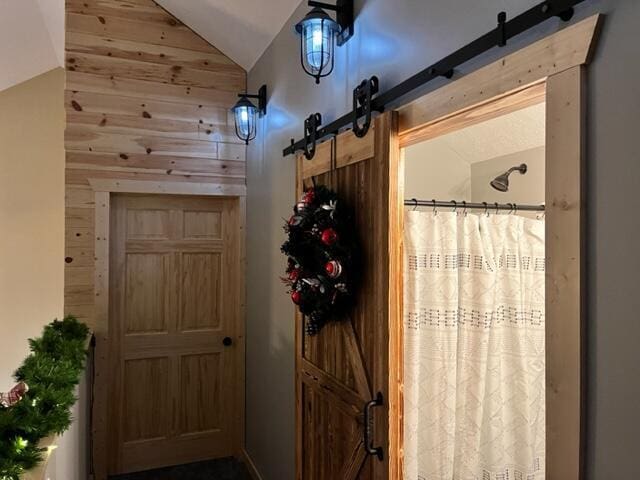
{"type": "Point", "coordinates": [364, 101]}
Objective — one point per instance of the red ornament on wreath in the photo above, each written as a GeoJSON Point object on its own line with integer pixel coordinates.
{"type": "Point", "coordinates": [296, 296]}
{"type": "Point", "coordinates": [308, 196]}
{"type": "Point", "coordinates": [333, 269]}
{"type": "Point", "coordinates": [294, 275]}
{"type": "Point", "coordinates": [329, 236]}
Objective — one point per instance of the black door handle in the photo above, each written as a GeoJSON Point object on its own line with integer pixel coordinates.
{"type": "Point", "coordinates": [227, 341]}
{"type": "Point", "coordinates": [368, 427]}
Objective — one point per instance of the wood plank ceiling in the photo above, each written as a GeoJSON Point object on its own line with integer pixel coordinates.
{"type": "Point", "coordinates": [146, 99]}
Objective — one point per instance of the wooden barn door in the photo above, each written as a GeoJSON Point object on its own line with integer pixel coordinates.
{"type": "Point", "coordinates": [173, 327]}
{"type": "Point", "coordinates": [346, 365]}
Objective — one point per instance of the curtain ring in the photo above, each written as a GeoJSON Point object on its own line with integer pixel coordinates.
{"type": "Point", "coordinates": [455, 206]}
{"type": "Point", "coordinates": [515, 208]}
{"type": "Point", "coordinates": [435, 212]}
{"type": "Point", "coordinates": [464, 208]}
{"type": "Point", "coordinates": [486, 208]}
{"type": "Point", "coordinates": [496, 205]}
{"type": "Point", "coordinates": [511, 207]}
{"type": "Point", "coordinates": [415, 204]}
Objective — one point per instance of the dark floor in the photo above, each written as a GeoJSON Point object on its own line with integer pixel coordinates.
{"type": "Point", "coordinates": [223, 469]}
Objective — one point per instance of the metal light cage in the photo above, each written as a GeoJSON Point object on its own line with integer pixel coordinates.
{"type": "Point", "coordinates": [445, 67]}
{"type": "Point", "coordinates": [246, 114]}
{"type": "Point", "coordinates": [246, 119]}
{"type": "Point", "coordinates": [317, 43]}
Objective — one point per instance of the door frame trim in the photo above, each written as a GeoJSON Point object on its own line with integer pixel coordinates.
{"type": "Point", "coordinates": [103, 189]}
{"type": "Point", "coordinates": [553, 70]}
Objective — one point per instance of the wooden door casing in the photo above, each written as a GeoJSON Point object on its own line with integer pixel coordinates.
{"type": "Point", "coordinates": [174, 297]}
{"type": "Point", "coordinates": [343, 367]}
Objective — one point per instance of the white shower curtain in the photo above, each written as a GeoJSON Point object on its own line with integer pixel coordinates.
{"type": "Point", "coordinates": [474, 347]}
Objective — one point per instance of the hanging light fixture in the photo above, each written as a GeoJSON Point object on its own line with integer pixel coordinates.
{"type": "Point", "coordinates": [319, 33]}
{"type": "Point", "coordinates": [246, 114]}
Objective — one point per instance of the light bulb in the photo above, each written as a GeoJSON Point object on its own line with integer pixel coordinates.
{"type": "Point", "coordinates": [317, 37]}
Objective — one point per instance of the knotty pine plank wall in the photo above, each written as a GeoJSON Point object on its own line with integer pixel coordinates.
{"type": "Point", "coordinates": [146, 99]}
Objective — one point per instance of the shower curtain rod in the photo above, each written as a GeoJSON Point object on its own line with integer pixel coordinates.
{"type": "Point", "coordinates": [512, 207]}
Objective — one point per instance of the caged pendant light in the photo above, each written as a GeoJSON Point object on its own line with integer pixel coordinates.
{"type": "Point", "coordinates": [246, 114]}
{"type": "Point", "coordinates": [319, 34]}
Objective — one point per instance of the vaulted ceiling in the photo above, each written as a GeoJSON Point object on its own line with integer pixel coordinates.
{"type": "Point", "coordinates": [32, 31]}
{"type": "Point", "coordinates": [241, 29]}
{"type": "Point", "coordinates": [31, 39]}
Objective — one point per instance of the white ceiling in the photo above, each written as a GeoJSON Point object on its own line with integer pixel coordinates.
{"type": "Point", "coordinates": [31, 39]}
{"type": "Point", "coordinates": [241, 29]}
{"type": "Point", "coordinates": [32, 31]}
{"type": "Point", "coordinates": [515, 132]}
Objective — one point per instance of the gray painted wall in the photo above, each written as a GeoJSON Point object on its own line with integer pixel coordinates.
{"type": "Point", "coordinates": [393, 40]}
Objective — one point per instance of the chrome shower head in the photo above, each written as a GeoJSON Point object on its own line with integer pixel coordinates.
{"type": "Point", "coordinates": [501, 182]}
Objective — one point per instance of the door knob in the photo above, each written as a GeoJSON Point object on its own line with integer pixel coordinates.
{"type": "Point", "coordinates": [227, 341]}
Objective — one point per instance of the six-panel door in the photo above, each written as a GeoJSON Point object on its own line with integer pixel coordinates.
{"type": "Point", "coordinates": [174, 296]}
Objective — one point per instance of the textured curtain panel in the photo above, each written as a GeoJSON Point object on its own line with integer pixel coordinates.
{"type": "Point", "coordinates": [474, 347]}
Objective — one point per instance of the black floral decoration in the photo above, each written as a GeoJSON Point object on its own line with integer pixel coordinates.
{"type": "Point", "coordinates": [321, 257]}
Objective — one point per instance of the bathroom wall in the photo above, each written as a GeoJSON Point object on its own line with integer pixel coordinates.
{"type": "Point", "coordinates": [523, 189]}
{"type": "Point", "coordinates": [447, 177]}
{"type": "Point", "coordinates": [442, 177]}
{"type": "Point", "coordinates": [459, 165]}
{"type": "Point", "coordinates": [395, 39]}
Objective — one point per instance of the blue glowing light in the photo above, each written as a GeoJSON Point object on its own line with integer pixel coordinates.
{"type": "Point", "coordinates": [318, 37]}
{"type": "Point", "coordinates": [245, 114]}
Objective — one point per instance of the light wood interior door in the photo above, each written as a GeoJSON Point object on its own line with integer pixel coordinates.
{"type": "Point", "coordinates": [173, 321]}
{"type": "Point", "coordinates": [346, 365]}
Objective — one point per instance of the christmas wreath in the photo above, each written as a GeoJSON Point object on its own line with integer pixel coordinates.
{"type": "Point", "coordinates": [321, 259]}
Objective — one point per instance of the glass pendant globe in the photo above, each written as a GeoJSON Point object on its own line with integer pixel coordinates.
{"type": "Point", "coordinates": [246, 114]}
{"type": "Point", "coordinates": [318, 37]}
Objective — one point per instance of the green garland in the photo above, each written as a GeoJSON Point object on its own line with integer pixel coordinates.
{"type": "Point", "coordinates": [51, 371]}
